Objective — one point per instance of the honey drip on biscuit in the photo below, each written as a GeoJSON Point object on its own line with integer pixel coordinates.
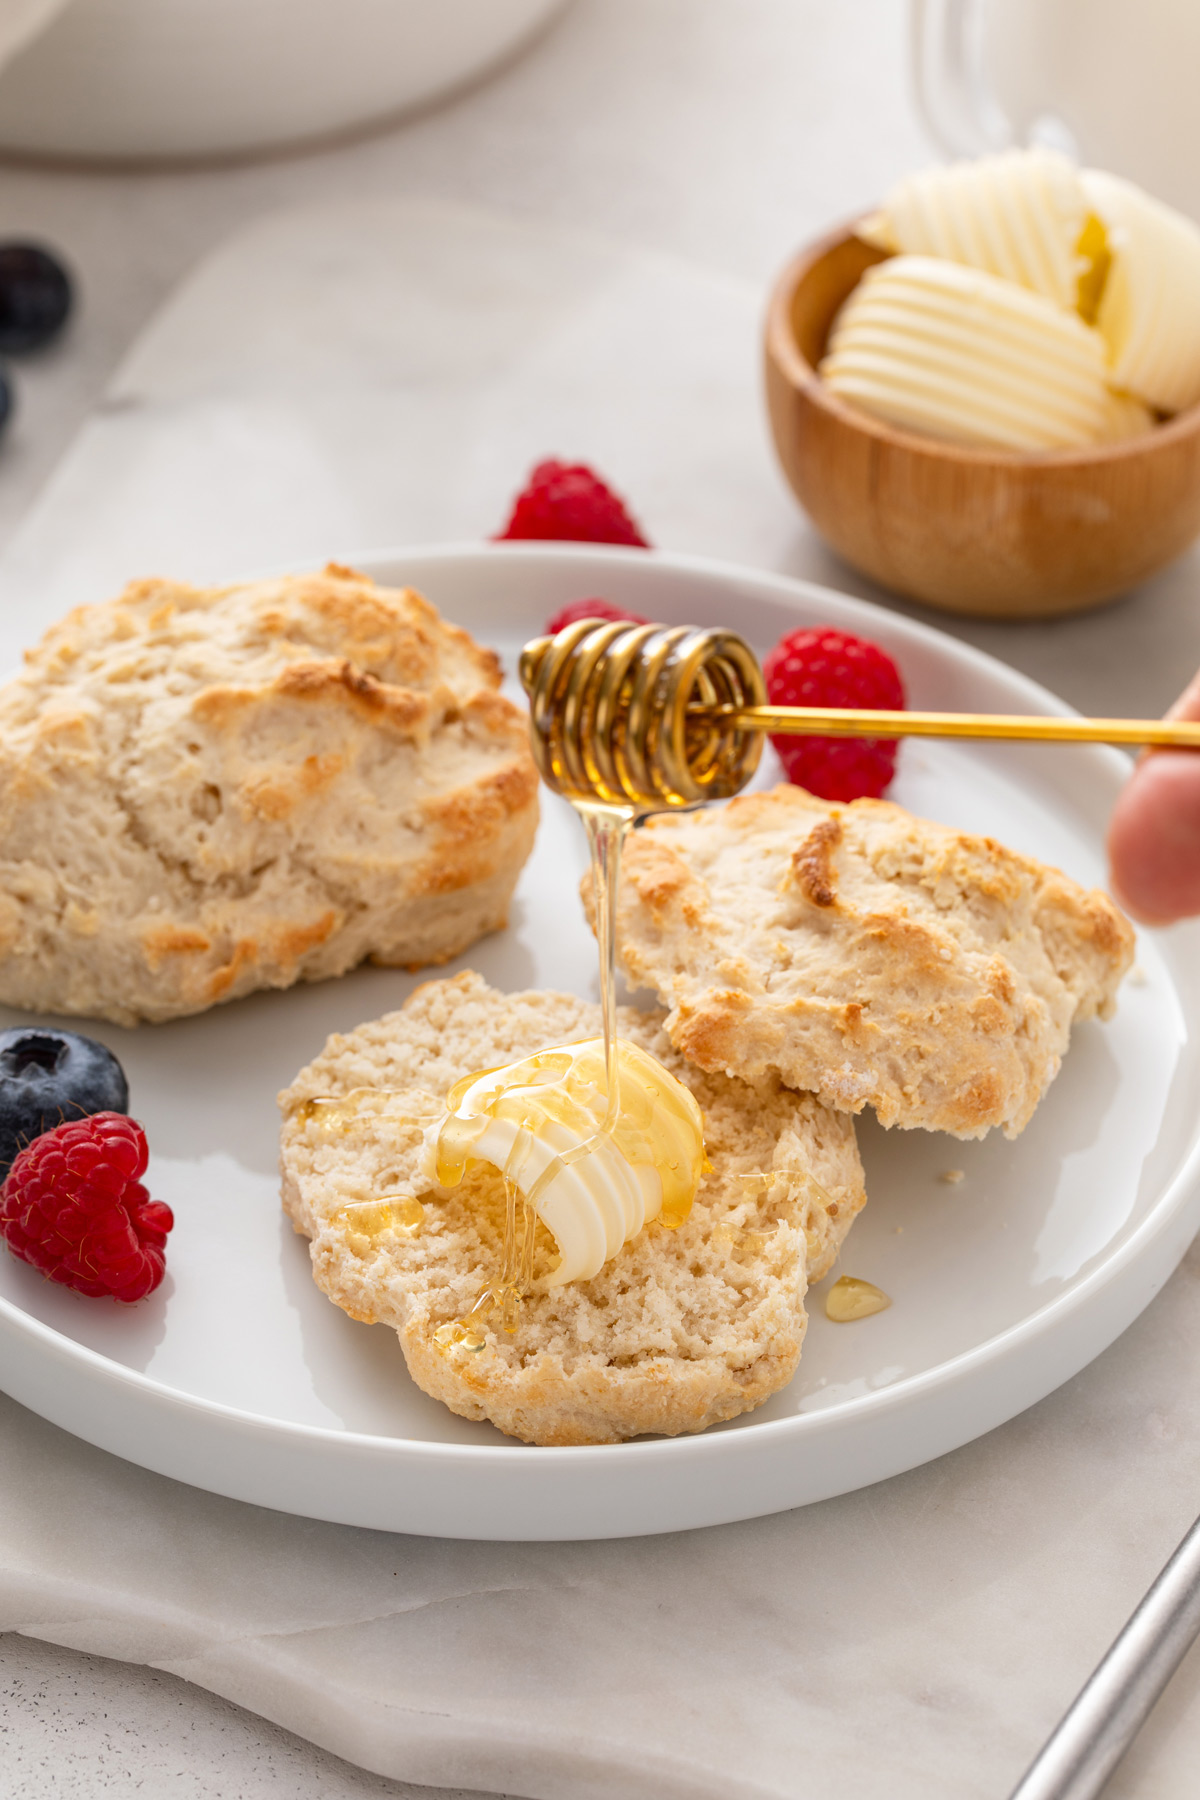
{"type": "Point", "coordinates": [761, 1233]}
{"type": "Point", "coordinates": [337, 1114]}
{"type": "Point", "coordinates": [367, 1222]}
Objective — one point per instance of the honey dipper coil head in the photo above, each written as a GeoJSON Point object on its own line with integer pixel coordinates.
{"type": "Point", "coordinates": [621, 713]}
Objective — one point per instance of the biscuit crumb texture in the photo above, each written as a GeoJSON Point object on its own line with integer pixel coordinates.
{"type": "Point", "coordinates": [208, 791]}
{"type": "Point", "coordinates": [867, 956]}
{"type": "Point", "coordinates": [679, 1330]}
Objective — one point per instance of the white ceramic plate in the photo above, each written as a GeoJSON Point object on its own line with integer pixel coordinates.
{"type": "Point", "coordinates": [238, 1376]}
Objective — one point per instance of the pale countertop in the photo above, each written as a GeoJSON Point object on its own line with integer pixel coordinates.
{"type": "Point", "coordinates": [723, 133]}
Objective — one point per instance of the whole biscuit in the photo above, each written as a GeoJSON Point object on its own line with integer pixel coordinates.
{"type": "Point", "coordinates": [679, 1330]}
{"type": "Point", "coordinates": [208, 791]}
{"type": "Point", "coordinates": [867, 956]}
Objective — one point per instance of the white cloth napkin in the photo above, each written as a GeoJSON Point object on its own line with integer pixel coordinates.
{"type": "Point", "coordinates": [910, 1642]}
{"type": "Point", "coordinates": [339, 380]}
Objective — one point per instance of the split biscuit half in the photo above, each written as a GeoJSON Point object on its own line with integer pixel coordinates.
{"type": "Point", "coordinates": [679, 1330]}
{"type": "Point", "coordinates": [866, 956]}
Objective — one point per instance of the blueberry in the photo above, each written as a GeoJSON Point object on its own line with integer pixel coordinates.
{"type": "Point", "coordinates": [35, 298]}
{"type": "Point", "coordinates": [49, 1076]}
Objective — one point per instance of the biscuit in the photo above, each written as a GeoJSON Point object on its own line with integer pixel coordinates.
{"type": "Point", "coordinates": [867, 956]}
{"type": "Point", "coordinates": [679, 1330]}
{"type": "Point", "coordinates": [208, 791]}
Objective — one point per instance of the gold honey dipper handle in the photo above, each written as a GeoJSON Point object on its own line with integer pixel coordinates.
{"type": "Point", "coordinates": [655, 716]}
{"type": "Point", "coordinates": [798, 721]}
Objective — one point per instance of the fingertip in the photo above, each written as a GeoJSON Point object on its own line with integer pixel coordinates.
{"type": "Point", "coordinates": [1154, 839]}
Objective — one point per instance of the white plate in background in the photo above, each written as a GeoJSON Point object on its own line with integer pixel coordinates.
{"type": "Point", "coordinates": [240, 1377]}
{"type": "Point", "coordinates": [228, 77]}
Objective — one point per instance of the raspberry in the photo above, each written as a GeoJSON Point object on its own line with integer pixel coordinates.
{"type": "Point", "coordinates": [830, 668]}
{"type": "Point", "coordinates": [72, 1205]}
{"type": "Point", "coordinates": [567, 501]}
{"type": "Point", "coordinates": [589, 609]}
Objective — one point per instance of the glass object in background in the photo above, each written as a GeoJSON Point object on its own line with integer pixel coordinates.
{"type": "Point", "coordinates": [1112, 81]}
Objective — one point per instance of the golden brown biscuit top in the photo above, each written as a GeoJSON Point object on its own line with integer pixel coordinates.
{"type": "Point", "coordinates": [866, 955]}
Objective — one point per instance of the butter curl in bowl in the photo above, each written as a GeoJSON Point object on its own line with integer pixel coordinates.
{"type": "Point", "coordinates": [986, 394]}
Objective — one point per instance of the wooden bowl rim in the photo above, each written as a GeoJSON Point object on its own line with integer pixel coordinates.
{"type": "Point", "coordinates": [784, 350]}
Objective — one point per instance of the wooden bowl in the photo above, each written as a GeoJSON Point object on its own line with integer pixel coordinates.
{"type": "Point", "coordinates": [971, 531]}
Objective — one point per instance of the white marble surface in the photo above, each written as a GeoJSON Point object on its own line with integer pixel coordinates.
{"type": "Point", "coordinates": [915, 1639]}
{"type": "Point", "coordinates": [466, 343]}
{"type": "Point", "coordinates": [74, 1726]}
{"type": "Point", "coordinates": [909, 1642]}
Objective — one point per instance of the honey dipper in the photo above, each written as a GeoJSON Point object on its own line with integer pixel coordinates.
{"type": "Point", "coordinates": [654, 716]}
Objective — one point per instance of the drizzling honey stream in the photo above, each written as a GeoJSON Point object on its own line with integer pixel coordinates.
{"type": "Point", "coordinates": [500, 1300]}
{"type": "Point", "coordinates": [611, 733]}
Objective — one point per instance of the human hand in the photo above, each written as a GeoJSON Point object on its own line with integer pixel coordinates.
{"type": "Point", "coordinates": [1154, 837]}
